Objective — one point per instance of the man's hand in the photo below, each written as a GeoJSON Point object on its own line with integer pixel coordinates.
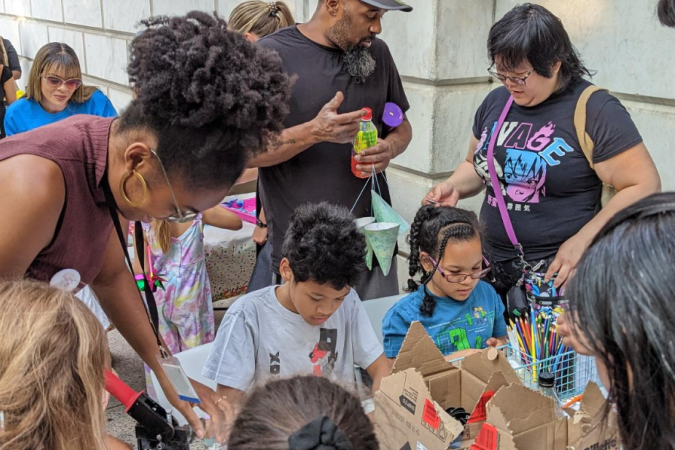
{"type": "Point", "coordinates": [329, 126]}
{"type": "Point", "coordinates": [377, 157]}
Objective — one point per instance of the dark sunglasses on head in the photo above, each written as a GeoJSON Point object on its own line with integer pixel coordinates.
{"type": "Point", "coordinates": [56, 82]}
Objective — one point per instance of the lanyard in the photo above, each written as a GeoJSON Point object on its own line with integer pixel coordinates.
{"type": "Point", "coordinates": [138, 230]}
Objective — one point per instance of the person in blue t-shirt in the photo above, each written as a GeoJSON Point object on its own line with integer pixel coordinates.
{"type": "Point", "coordinates": [55, 92]}
{"type": "Point", "coordinates": [459, 311]}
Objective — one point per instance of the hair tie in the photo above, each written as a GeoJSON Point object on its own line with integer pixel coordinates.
{"type": "Point", "coordinates": [272, 6]}
{"type": "Point", "coordinates": [319, 434]}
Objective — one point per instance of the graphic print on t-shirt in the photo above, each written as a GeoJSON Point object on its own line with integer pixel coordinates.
{"type": "Point", "coordinates": [529, 153]}
{"type": "Point", "coordinates": [324, 354]}
{"type": "Point", "coordinates": [275, 363]}
{"type": "Point", "coordinates": [471, 331]}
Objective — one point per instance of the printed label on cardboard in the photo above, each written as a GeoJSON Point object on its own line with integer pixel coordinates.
{"type": "Point", "coordinates": [430, 416]}
{"type": "Point", "coordinates": [407, 403]}
{"type": "Point", "coordinates": [479, 414]}
{"type": "Point", "coordinates": [488, 439]}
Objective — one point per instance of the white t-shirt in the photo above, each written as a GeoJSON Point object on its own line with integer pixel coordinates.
{"type": "Point", "coordinates": [259, 338]}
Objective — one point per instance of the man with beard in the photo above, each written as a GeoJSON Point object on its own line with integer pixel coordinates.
{"type": "Point", "coordinates": [340, 67]}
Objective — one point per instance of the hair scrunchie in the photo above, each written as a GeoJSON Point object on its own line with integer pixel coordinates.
{"type": "Point", "coordinates": [274, 11]}
{"type": "Point", "coordinates": [319, 434]}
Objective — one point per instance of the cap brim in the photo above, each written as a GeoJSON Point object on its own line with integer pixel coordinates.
{"type": "Point", "coordinates": [389, 5]}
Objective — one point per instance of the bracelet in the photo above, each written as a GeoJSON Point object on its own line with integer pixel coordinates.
{"type": "Point", "coordinates": [260, 224]}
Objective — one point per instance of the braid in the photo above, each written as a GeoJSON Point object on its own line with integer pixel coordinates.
{"type": "Point", "coordinates": [423, 215]}
{"type": "Point", "coordinates": [429, 303]}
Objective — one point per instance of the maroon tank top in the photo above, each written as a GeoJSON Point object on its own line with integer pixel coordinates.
{"type": "Point", "coordinates": [79, 146]}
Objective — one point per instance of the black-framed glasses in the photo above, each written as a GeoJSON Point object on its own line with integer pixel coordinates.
{"type": "Point", "coordinates": [56, 82]}
{"type": "Point", "coordinates": [180, 216]}
{"type": "Point", "coordinates": [520, 81]}
{"type": "Point", "coordinates": [460, 277]}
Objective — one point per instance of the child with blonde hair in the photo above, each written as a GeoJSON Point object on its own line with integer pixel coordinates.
{"type": "Point", "coordinates": [53, 353]}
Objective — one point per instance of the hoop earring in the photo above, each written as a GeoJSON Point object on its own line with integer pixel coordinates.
{"type": "Point", "coordinates": [141, 180]}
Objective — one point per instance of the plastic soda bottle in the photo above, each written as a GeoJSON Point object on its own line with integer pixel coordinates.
{"type": "Point", "coordinates": [547, 387]}
{"type": "Point", "coordinates": [366, 138]}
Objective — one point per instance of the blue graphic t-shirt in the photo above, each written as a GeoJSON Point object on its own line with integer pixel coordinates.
{"type": "Point", "coordinates": [549, 188]}
{"type": "Point", "coordinates": [25, 115]}
{"type": "Point", "coordinates": [454, 326]}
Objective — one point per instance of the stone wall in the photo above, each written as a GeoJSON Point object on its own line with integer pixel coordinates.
{"type": "Point", "coordinates": [439, 49]}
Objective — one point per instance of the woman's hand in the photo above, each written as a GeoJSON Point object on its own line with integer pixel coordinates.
{"type": "Point", "coordinates": [566, 259]}
{"type": "Point", "coordinates": [443, 194]}
{"type": "Point", "coordinates": [220, 411]}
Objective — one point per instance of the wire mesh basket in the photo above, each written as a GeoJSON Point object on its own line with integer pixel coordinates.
{"type": "Point", "coordinates": [572, 371]}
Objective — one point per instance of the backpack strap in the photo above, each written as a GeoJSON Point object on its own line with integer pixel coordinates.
{"type": "Point", "coordinates": [585, 140]}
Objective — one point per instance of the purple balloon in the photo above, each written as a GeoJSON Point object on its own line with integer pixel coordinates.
{"type": "Point", "coordinates": [393, 115]}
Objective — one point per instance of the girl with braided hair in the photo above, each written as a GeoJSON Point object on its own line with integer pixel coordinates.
{"type": "Point", "coordinates": [460, 312]}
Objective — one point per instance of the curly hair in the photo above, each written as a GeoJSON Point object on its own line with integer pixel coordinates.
{"type": "Point", "coordinates": [430, 232]}
{"type": "Point", "coordinates": [323, 245]}
{"type": "Point", "coordinates": [212, 99]}
{"type": "Point", "coordinates": [273, 412]}
{"type": "Point", "coordinates": [666, 12]}
{"type": "Point", "coordinates": [531, 32]}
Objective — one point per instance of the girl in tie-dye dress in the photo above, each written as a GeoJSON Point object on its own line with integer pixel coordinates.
{"type": "Point", "coordinates": [177, 256]}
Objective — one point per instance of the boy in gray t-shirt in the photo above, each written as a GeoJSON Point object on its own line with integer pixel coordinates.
{"type": "Point", "coordinates": [312, 324]}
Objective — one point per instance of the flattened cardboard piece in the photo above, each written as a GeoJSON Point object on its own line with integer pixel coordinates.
{"type": "Point", "coordinates": [418, 351]}
{"type": "Point", "coordinates": [405, 412]}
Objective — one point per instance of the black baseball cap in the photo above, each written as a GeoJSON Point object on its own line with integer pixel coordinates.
{"type": "Point", "coordinates": [389, 5]}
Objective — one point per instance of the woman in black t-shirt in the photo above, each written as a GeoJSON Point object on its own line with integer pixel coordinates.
{"type": "Point", "coordinates": [9, 94]}
{"type": "Point", "coordinates": [550, 191]}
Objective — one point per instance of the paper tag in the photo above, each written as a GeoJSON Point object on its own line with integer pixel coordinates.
{"type": "Point", "coordinates": [66, 279]}
{"type": "Point", "coordinates": [488, 438]}
{"type": "Point", "coordinates": [480, 414]}
{"type": "Point", "coordinates": [179, 379]}
{"type": "Point", "coordinates": [430, 416]}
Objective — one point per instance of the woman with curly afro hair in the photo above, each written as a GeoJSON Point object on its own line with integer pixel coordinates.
{"type": "Point", "coordinates": [206, 102]}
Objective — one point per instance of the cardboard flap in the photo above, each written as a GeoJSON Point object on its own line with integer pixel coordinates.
{"type": "Point", "coordinates": [404, 403]}
{"type": "Point", "coordinates": [497, 381]}
{"type": "Point", "coordinates": [419, 352]}
{"type": "Point", "coordinates": [587, 428]}
{"type": "Point", "coordinates": [592, 402]}
{"type": "Point", "coordinates": [516, 409]}
{"type": "Point", "coordinates": [482, 365]}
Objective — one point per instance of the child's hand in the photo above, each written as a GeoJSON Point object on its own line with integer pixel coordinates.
{"type": "Point", "coordinates": [496, 342]}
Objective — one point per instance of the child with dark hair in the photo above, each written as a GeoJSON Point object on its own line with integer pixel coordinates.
{"type": "Point", "coordinates": [312, 324]}
{"type": "Point", "coordinates": [302, 413]}
{"type": "Point", "coordinates": [459, 311]}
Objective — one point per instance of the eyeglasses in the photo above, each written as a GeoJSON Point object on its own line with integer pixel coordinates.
{"type": "Point", "coordinates": [57, 82]}
{"type": "Point", "coordinates": [180, 216]}
{"type": "Point", "coordinates": [460, 277]}
{"type": "Point", "coordinates": [520, 81]}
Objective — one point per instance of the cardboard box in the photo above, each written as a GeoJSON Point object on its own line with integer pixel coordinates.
{"type": "Point", "coordinates": [522, 419]}
{"type": "Point", "coordinates": [411, 403]}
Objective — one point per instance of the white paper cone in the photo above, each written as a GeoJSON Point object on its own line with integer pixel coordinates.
{"type": "Point", "coordinates": [382, 238]}
{"type": "Point", "coordinates": [360, 225]}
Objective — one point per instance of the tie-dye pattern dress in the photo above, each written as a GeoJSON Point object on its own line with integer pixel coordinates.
{"type": "Point", "coordinates": [184, 307]}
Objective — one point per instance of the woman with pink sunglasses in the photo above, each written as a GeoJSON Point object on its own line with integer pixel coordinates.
{"type": "Point", "coordinates": [55, 92]}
